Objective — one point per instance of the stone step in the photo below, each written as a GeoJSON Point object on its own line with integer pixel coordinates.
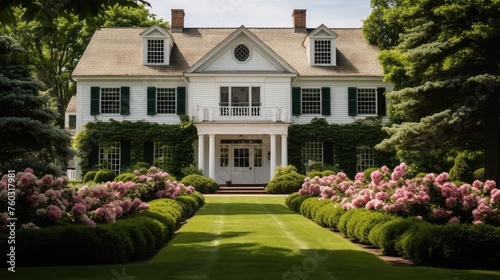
{"type": "Point", "coordinates": [241, 190]}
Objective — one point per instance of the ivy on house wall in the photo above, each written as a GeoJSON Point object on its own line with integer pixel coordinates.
{"type": "Point", "coordinates": [180, 137]}
{"type": "Point", "coordinates": [341, 140]}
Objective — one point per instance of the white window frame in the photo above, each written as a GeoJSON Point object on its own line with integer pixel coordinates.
{"type": "Point", "coordinates": [364, 154]}
{"type": "Point", "coordinates": [158, 111]}
{"type": "Point", "coordinates": [101, 100]}
{"type": "Point", "coordinates": [310, 151]}
{"type": "Point", "coordinates": [302, 101]}
{"type": "Point", "coordinates": [360, 112]}
{"type": "Point", "coordinates": [250, 53]}
{"type": "Point", "coordinates": [162, 149]}
{"type": "Point", "coordinates": [146, 50]}
{"type": "Point", "coordinates": [107, 150]}
{"type": "Point", "coordinates": [333, 51]}
{"type": "Point", "coordinates": [252, 110]}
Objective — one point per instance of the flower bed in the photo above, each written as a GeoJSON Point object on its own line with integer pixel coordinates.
{"type": "Point", "coordinates": [92, 221]}
{"type": "Point", "coordinates": [429, 220]}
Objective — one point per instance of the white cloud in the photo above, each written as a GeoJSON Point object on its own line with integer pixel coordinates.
{"type": "Point", "coordinates": [264, 13]}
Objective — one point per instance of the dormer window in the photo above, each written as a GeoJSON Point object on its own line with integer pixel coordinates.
{"type": "Point", "coordinates": [156, 51]}
{"type": "Point", "coordinates": [321, 47]}
{"type": "Point", "coordinates": [322, 51]}
{"type": "Point", "coordinates": [157, 46]}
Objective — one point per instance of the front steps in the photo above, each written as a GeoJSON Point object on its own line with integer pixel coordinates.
{"type": "Point", "coordinates": [242, 189]}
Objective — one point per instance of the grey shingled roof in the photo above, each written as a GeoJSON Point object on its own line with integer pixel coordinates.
{"type": "Point", "coordinates": [118, 52]}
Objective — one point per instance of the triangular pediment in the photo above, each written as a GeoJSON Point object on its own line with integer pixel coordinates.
{"type": "Point", "coordinates": [155, 31]}
{"type": "Point", "coordinates": [323, 31]}
{"type": "Point", "coordinates": [241, 52]}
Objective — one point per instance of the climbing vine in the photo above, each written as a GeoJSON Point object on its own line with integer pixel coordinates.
{"type": "Point", "coordinates": [180, 137]}
{"type": "Point", "coordinates": [344, 138]}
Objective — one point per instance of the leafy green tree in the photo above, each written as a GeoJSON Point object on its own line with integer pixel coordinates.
{"type": "Point", "coordinates": [27, 135]}
{"type": "Point", "coordinates": [382, 27]}
{"type": "Point", "coordinates": [43, 11]}
{"type": "Point", "coordinates": [445, 68]}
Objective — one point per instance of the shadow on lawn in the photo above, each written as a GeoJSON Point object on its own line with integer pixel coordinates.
{"type": "Point", "coordinates": [221, 208]}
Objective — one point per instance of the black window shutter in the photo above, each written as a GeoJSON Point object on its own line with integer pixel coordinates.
{"type": "Point", "coordinates": [181, 101]}
{"type": "Point", "coordinates": [125, 101]}
{"type": "Point", "coordinates": [381, 107]}
{"type": "Point", "coordinates": [149, 152]}
{"type": "Point", "coordinates": [93, 156]}
{"type": "Point", "coordinates": [353, 101]}
{"type": "Point", "coordinates": [125, 157]}
{"type": "Point", "coordinates": [325, 102]}
{"type": "Point", "coordinates": [151, 101]}
{"type": "Point", "coordinates": [296, 106]}
{"type": "Point", "coordinates": [328, 153]}
{"type": "Point", "coordinates": [94, 100]}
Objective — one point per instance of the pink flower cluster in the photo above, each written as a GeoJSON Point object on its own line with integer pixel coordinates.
{"type": "Point", "coordinates": [54, 202]}
{"type": "Point", "coordinates": [433, 198]}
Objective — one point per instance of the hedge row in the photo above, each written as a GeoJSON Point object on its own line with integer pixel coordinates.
{"type": "Point", "coordinates": [450, 245]}
{"type": "Point", "coordinates": [130, 239]}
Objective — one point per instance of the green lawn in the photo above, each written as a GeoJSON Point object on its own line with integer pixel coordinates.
{"type": "Point", "coordinates": [251, 237]}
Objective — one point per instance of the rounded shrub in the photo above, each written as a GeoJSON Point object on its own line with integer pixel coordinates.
{"type": "Point", "coordinates": [199, 198]}
{"type": "Point", "coordinates": [344, 219]}
{"type": "Point", "coordinates": [366, 224]}
{"type": "Point", "coordinates": [89, 176]}
{"type": "Point", "coordinates": [126, 177]}
{"type": "Point", "coordinates": [314, 173]}
{"type": "Point", "coordinates": [332, 218]}
{"type": "Point", "coordinates": [104, 175]}
{"type": "Point", "coordinates": [384, 235]}
{"type": "Point", "coordinates": [286, 184]}
{"type": "Point", "coordinates": [368, 172]}
{"type": "Point", "coordinates": [200, 183]}
{"type": "Point", "coordinates": [297, 202]}
{"type": "Point", "coordinates": [288, 200]}
{"type": "Point", "coordinates": [311, 206]}
{"type": "Point", "coordinates": [353, 222]}
{"type": "Point", "coordinates": [327, 173]}
{"type": "Point", "coordinates": [479, 174]}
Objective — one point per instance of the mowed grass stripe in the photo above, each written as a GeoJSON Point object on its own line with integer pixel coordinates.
{"type": "Point", "coordinates": [252, 237]}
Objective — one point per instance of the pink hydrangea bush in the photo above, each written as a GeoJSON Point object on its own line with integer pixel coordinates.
{"type": "Point", "coordinates": [49, 201]}
{"type": "Point", "coordinates": [432, 198]}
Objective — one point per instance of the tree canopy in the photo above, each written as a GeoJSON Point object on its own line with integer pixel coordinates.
{"type": "Point", "coordinates": [28, 135]}
{"type": "Point", "coordinates": [444, 64]}
{"type": "Point", "coordinates": [43, 11]}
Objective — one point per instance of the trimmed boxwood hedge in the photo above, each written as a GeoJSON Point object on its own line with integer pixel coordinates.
{"type": "Point", "coordinates": [201, 183]}
{"type": "Point", "coordinates": [286, 183]}
{"type": "Point", "coordinates": [451, 245]}
{"type": "Point", "coordinates": [129, 239]}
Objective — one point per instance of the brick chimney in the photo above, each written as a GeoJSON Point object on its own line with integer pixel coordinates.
{"type": "Point", "coordinates": [299, 20]}
{"type": "Point", "coordinates": [177, 22]}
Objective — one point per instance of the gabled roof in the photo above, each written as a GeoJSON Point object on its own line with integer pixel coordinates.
{"type": "Point", "coordinates": [242, 31]}
{"type": "Point", "coordinates": [155, 29]}
{"type": "Point", "coordinates": [322, 30]}
{"type": "Point", "coordinates": [118, 52]}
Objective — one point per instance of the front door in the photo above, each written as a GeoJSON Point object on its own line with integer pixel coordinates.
{"type": "Point", "coordinates": [242, 163]}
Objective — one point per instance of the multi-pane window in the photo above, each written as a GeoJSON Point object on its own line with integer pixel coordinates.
{"type": "Point", "coordinates": [165, 100]}
{"type": "Point", "coordinates": [322, 51]}
{"type": "Point", "coordinates": [163, 154]}
{"type": "Point", "coordinates": [224, 156]}
{"type": "Point", "coordinates": [241, 157]}
{"type": "Point", "coordinates": [312, 152]}
{"type": "Point", "coordinates": [367, 101]}
{"type": "Point", "coordinates": [364, 156]}
{"type": "Point", "coordinates": [72, 122]}
{"type": "Point", "coordinates": [156, 51]}
{"type": "Point", "coordinates": [311, 101]}
{"type": "Point", "coordinates": [239, 101]}
{"type": "Point", "coordinates": [110, 100]}
{"type": "Point", "coordinates": [109, 156]}
{"type": "Point", "coordinates": [257, 156]}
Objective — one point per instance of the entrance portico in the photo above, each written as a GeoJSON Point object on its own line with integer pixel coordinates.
{"type": "Point", "coordinates": [243, 153]}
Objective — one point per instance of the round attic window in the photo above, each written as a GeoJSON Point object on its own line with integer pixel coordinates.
{"type": "Point", "coordinates": [241, 53]}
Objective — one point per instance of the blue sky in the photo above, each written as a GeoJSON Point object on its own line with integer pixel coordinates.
{"type": "Point", "coordinates": [264, 13]}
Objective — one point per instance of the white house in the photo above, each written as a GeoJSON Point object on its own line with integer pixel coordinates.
{"type": "Point", "coordinates": [243, 87]}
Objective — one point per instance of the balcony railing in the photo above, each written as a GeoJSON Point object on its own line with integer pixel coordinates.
{"type": "Point", "coordinates": [243, 113]}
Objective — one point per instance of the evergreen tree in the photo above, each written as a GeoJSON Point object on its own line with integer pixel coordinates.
{"type": "Point", "coordinates": [446, 72]}
{"type": "Point", "coordinates": [27, 136]}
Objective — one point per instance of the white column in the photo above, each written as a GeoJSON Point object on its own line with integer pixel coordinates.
{"type": "Point", "coordinates": [211, 157]}
{"type": "Point", "coordinates": [201, 152]}
{"type": "Point", "coordinates": [273, 155]}
{"type": "Point", "coordinates": [284, 150]}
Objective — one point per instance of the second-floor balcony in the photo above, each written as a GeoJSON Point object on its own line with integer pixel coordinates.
{"type": "Point", "coordinates": [243, 114]}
